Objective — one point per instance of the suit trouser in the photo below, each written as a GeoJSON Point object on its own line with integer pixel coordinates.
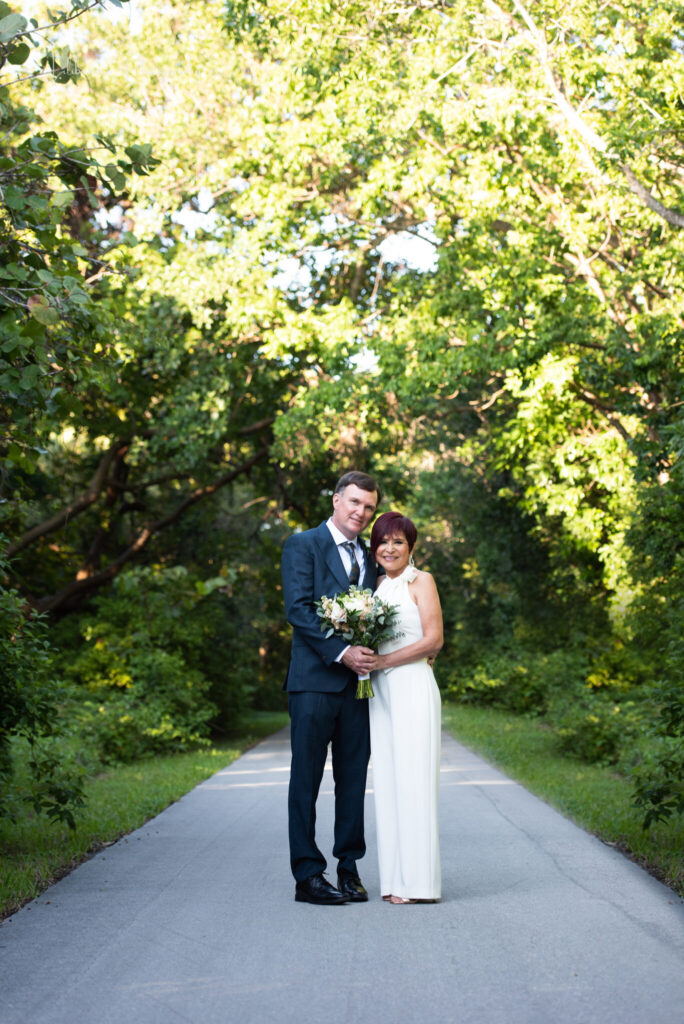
{"type": "Point", "coordinates": [318, 719]}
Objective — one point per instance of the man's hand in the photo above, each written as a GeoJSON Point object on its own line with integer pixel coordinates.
{"type": "Point", "coordinates": [359, 659]}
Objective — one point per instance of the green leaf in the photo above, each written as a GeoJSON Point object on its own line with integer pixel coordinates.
{"type": "Point", "coordinates": [77, 156]}
{"type": "Point", "coordinates": [15, 198]}
{"type": "Point", "coordinates": [115, 176]}
{"type": "Point", "coordinates": [62, 199]}
{"type": "Point", "coordinates": [14, 453]}
{"type": "Point", "coordinates": [16, 271]}
{"type": "Point", "coordinates": [37, 203]}
{"type": "Point", "coordinates": [11, 25]}
{"type": "Point", "coordinates": [19, 54]}
{"type": "Point", "coordinates": [105, 141]}
{"type": "Point", "coordinates": [42, 311]}
{"type": "Point", "coordinates": [9, 380]}
{"type": "Point", "coordinates": [29, 376]}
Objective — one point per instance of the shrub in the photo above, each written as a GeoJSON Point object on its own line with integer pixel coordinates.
{"type": "Point", "coordinates": [524, 682]}
{"type": "Point", "coordinates": [659, 775]}
{"type": "Point", "coordinates": [30, 699]}
{"type": "Point", "coordinates": [140, 692]}
{"type": "Point", "coordinates": [149, 702]}
{"type": "Point", "coordinates": [595, 728]}
{"type": "Point", "coordinates": [659, 780]}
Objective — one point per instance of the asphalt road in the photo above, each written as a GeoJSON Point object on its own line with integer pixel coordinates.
{"type": "Point", "coordinates": [192, 919]}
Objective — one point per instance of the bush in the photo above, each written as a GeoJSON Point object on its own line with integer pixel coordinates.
{"type": "Point", "coordinates": [30, 700]}
{"type": "Point", "coordinates": [659, 780]}
{"type": "Point", "coordinates": [140, 691]}
{"type": "Point", "coordinates": [595, 728]}
{"type": "Point", "coordinates": [659, 775]}
{"type": "Point", "coordinates": [594, 698]}
{"type": "Point", "coordinates": [524, 683]}
{"type": "Point", "coordinates": [150, 702]}
{"type": "Point", "coordinates": [222, 652]}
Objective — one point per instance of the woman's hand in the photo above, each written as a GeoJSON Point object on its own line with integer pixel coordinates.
{"type": "Point", "coordinates": [379, 662]}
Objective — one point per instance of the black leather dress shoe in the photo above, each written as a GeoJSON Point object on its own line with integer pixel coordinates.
{"type": "Point", "coordinates": [352, 887]}
{"type": "Point", "coordinates": [317, 889]}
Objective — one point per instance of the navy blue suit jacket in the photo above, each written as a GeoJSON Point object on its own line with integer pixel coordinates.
{"type": "Point", "coordinates": [312, 568]}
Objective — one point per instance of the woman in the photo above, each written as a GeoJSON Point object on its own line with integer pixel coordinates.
{"type": "Point", "coordinates": [405, 721]}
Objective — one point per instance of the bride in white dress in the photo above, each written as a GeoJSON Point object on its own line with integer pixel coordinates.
{"type": "Point", "coordinates": [405, 721]}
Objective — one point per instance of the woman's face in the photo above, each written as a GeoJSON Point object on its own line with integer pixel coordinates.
{"type": "Point", "coordinates": [393, 554]}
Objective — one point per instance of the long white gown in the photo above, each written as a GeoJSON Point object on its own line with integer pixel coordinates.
{"type": "Point", "coordinates": [405, 725]}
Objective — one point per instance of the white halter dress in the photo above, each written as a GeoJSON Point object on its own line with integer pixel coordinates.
{"type": "Point", "coordinates": [405, 723]}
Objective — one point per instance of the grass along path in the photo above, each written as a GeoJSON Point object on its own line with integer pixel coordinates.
{"type": "Point", "coordinates": [593, 796]}
{"type": "Point", "coordinates": [34, 852]}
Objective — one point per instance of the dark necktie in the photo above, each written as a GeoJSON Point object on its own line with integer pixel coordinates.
{"type": "Point", "coordinates": [354, 572]}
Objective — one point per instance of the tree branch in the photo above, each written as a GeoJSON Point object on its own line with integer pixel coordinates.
{"type": "Point", "coordinates": [74, 508]}
{"type": "Point", "coordinates": [56, 23]}
{"type": "Point", "coordinates": [605, 411]}
{"type": "Point", "coordinates": [86, 582]}
{"type": "Point", "coordinates": [591, 139]}
{"type": "Point", "coordinates": [673, 217]}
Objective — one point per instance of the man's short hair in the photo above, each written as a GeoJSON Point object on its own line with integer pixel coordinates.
{"type": "Point", "coordinates": [362, 480]}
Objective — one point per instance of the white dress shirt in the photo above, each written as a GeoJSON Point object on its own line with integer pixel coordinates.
{"type": "Point", "coordinates": [340, 540]}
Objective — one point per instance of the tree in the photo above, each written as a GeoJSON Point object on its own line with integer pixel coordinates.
{"type": "Point", "coordinates": [49, 329]}
{"type": "Point", "coordinates": [280, 329]}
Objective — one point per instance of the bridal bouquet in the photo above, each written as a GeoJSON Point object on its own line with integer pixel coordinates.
{"type": "Point", "coordinates": [359, 617]}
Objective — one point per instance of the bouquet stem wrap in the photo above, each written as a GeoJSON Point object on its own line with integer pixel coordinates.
{"type": "Point", "coordinates": [364, 688]}
{"type": "Point", "coordinates": [360, 618]}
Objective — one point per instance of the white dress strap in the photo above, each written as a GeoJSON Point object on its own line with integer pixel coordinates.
{"type": "Point", "coordinates": [391, 586]}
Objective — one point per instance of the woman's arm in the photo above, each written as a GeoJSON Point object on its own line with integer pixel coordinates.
{"type": "Point", "coordinates": [424, 592]}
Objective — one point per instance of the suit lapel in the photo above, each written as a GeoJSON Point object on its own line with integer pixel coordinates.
{"type": "Point", "coordinates": [334, 561]}
{"type": "Point", "coordinates": [332, 555]}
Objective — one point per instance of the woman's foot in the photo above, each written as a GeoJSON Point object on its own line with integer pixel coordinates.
{"type": "Point", "coordinates": [395, 900]}
{"type": "Point", "coordinates": [389, 897]}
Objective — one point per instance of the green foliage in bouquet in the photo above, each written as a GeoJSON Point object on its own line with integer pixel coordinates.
{"type": "Point", "coordinates": [359, 617]}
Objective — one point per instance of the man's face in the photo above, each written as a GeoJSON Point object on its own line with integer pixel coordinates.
{"type": "Point", "coordinates": [353, 510]}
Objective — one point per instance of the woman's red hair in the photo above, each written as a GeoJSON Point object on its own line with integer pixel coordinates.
{"type": "Point", "coordinates": [389, 524]}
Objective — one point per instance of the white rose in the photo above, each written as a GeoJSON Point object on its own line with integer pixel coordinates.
{"type": "Point", "coordinates": [337, 614]}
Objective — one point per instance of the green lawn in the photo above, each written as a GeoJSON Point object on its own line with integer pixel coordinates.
{"type": "Point", "coordinates": [34, 852]}
{"type": "Point", "coordinates": [593, 796]}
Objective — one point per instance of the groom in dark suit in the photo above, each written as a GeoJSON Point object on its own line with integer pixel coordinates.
{"type": "Point", "coordinates": [321, 685]}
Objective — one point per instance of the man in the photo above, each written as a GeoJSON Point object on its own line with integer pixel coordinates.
{"type": "Point", "coordinates": [321, 685]}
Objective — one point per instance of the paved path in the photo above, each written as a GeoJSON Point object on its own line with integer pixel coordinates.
{"type": "Point", "coordinates": [192, 919]}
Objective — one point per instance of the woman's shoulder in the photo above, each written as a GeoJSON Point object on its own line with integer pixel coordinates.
{"type": "Point", "coordinates": [423, 580]}
{"type": "Point", "coordinates": [420, 575]}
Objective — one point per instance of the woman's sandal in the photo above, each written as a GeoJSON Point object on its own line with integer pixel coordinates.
{"type": "Point", "coordinates": [396, 900]}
